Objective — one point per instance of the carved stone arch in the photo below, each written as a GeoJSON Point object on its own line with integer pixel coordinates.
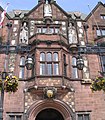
{"type": "Point", "coordinates": [58, 105]}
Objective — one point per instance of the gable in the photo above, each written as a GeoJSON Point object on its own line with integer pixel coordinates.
{"type": "Point", "coordinates": [58, 12]}
{"type": "Point", "coordinates": [96, 15]}
{"type": "Point", "coordinates": [38, 12]}
{"type": "Point", "coordinates": [99, 8]}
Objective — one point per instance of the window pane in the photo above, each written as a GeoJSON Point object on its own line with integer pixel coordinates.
{"type": "Point", "coordinates": [56, 69]}
{"type": "Point", "coordinates": [21, 73]}
{"type": "Point", "coordinates": [22, 61]}
{"type": "Point", "coordinates": [102, 16]}
{"type": "Point", "coordinates": [38, 30]}
{"type": "Point", "coordinates": [44, 30]}
{"type": "Point", "coordinates": [12, 117]}
{"type": "Point", "coordinates": [51, 30]}
{"type": "Point", "coordinates": [42, 69]}
{"type": "Point", "coordinates": [65, 71]}
{"type": "Point", "coordinates": [86, 117]}
{"type": "Point", "coordinates": [18, 117]}
{"type": "Point", "coordinates": [56, 30]}
{"type": "Point", "coordinates": [65, 66]}
{"type": "Point", "coordinates": [80, 117]}
{"type": "Point", "coordinates": [49, 69]}
{"type": "Point", "coordinates": [73, 61]}
{"type": "Point", "coordinates": [33, 68]}
{"type": "Point", "coordinates": [103, 63]}
{"type": "Point", "coordinates": [49, 57]}
{"type": "Point", "coordinates": [55, 56]}
{"type": "Point", "coordinates": [74, 73]}
{"type": "Point", "coordinates": [42, 57]}
{"type": "Point", "coordinates": [98, 32]}
{"type": "Point", "coordinates": [64, 58]}
{"type": "Point", "coordinates": [103, 32]}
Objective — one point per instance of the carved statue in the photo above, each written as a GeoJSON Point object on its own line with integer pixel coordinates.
{"type": "Point", "coordinates": [47, 9]}
{"type": "Point", "coordinates": [24, 34]}
{"type": "Point", "coordinates": [86, 74]}
{"type": "Point", "coordinates": [72, 35]}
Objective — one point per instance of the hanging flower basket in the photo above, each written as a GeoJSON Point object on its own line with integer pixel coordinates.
{"type": "Point", "coordinates": [11, 84]}
{"type": "Point", "coordinates": [98, 84]}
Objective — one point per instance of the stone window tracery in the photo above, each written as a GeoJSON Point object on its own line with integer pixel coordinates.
{"type": "Point", "coordinates": [49, 64]}
{"type": "Point", "coordinates": [83, 116]}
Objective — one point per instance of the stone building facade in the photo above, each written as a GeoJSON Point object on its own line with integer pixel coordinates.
{"type": "Point", "coordinates": [54, 88]}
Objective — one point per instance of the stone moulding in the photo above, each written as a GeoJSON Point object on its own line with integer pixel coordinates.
{"type": "Point", "coordinates": [60, 106]}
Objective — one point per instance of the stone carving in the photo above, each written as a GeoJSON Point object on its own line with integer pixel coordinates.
{"type": "Point", "coordinates": [17, 13]}
{"type": "Point", "coordinates": [72, 34]}
{"type": "Point", "coordinates": [47, 10]}
{"type": "Point", "coordinates": [23, 34]}
{"type": "Point", "coordinates": [77, 14]}
{"type": "Point", "coordinates": [86, 69]}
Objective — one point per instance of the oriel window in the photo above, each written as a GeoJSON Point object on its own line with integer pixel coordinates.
{"type": "Point", "coordinates": [49, 64]}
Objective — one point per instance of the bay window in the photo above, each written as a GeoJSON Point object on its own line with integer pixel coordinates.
{"type": "Point", "coordinates": [48, 29]}
{"type": "Point", "coordinates": [49, 64]}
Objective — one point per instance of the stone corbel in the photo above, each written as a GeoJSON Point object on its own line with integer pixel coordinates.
{"type": "Point", "coordinates": [49, 92]}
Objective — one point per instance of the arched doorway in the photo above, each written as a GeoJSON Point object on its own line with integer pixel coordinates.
{"type": "Point", "coordinates": [49, 114]}
{"type": "Point", "coordinates": [41, 107]}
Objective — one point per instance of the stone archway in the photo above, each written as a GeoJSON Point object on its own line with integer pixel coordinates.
{"type": "Point", "coordinates": [49, 114]}
{"type": "Point", "coordinates": [61, 107]}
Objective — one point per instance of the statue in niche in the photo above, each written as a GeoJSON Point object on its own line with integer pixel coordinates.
{"type": "Point", "coordinates": [47, 9]}
{"type": "Point", "coordinates": [85, 69]}
{"type": "Point", "coordinates": [85, 73]}
{"type": "Point", "coordinates": [23, 34]}
{"type": "Point", "coordinates": [72, 34]}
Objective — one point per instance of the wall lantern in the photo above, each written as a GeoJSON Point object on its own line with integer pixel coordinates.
{"type": "Point", "coordinates": [29, 63]}
{"type": "Point", "coordinates": [80, 63]}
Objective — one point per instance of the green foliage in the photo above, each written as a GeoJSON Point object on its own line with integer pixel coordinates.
{"type": "Point", "coordinates": [98, 84]}
{"type": "Point", "coordinates": [11, 84]}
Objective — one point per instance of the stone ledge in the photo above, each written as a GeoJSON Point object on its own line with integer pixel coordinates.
{"type": "Point", "coordinates": [86, 81]}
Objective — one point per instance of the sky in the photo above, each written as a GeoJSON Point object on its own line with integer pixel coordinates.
{"type": "Point", "coordinates": [84, 6]}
